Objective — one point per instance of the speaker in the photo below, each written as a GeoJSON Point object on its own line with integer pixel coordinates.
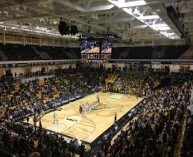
{"type": "Point", "coordinates": [73, 30]}
{"type": "Point", "coordinates": [63, 28]}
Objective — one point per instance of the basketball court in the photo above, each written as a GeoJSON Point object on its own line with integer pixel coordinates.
{"type": "Point", "coordinates": [88, 126]}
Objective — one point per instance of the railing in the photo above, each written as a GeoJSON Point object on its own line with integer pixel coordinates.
{"type": "Point", "coordinates": [156, 61]}
{"type": "Point", "coordinates": [40, 61]}
{"type": "Point", "coordinates": [4, 64]}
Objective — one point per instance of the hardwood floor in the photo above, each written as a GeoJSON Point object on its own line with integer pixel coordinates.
{"type": "Point", "coordinates": [88, 126]}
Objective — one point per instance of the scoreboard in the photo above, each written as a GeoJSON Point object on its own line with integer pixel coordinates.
{"type": "Point", "coordinates": [96, 49]}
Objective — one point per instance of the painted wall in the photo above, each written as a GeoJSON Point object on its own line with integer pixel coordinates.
{"type": "Point", "coordinates": [174, 68]}
{"type": "Point", "coordinates": [156, 66]}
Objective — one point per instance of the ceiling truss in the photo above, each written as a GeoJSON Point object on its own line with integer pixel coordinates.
{"type": "Point", "coordinates": [134, 21]}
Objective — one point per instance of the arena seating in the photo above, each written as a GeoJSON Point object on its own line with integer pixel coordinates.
{"type": "Point", "coordinates": [168, 52]}
{"type": "Point", "coordinates": [188, 136]}
{"type": "Point", "coordinates": [63, 53]}
{"type": "Point", "coordinates": [29, 97]}
{"type": "Point", "coordinates": [20, 52]}
{"type": "Point", "coordinates": [152, 131]}
{"type": "Point", "coordinates": [24, 99]}
{"type": "Point", "coordinates": [133, 81]}
{"type": "Point", "coordinates": [155, 130]}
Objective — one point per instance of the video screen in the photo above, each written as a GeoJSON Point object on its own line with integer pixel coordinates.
{"type": "Point", "coordinates": [87, 46]}
{"type": "Point", "coordinates": [106, 47]}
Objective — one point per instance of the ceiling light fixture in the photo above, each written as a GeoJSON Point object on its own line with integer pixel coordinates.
{"type": "Point", "coordinates": [123, 4]}
{"type": "Point", "coordinates": [150, 20]}
{"type": "Point", "coordinates": [149, 17]}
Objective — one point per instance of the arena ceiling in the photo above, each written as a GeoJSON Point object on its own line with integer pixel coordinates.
{"type": "Point", "coordinates": [134, 21]}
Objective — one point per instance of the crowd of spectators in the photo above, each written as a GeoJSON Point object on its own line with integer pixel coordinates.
{"type": "Point", "coordinates": [36, 74]}
{"type": "Point", "coordinates": [130, 85]}
{"type": "Point", "coordinates": [153, 132]}
{"type": "Point", "coordinates": [187, 144]}
{"type": "Point", "coordinates": [23, 98]}
{"type": "Point", "coordinates": [23, 141]}
{"type": "Point", "coordinates": [134, 81]}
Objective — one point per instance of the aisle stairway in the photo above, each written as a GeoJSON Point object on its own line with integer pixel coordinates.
{"type": "Point", "coordinates": [43, 55]}
{"type": "Point", "coordinates": [188, 54]}
{"type": "Point", "coordinates": [179, 143]}
{"type": "Point", "coordinates": [70, 53]}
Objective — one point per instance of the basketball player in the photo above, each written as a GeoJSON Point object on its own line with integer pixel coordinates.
{"type": "Point", "coordinates": [115, 117]}
{"type": "Point", "coordinates": [87, 106]}
{"type": "Point", "coordinates": [98, 100]}
{"type": "Point", "coordinates": [55, 116]}
{"type": "Point", "coordinates": [80, 109]}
